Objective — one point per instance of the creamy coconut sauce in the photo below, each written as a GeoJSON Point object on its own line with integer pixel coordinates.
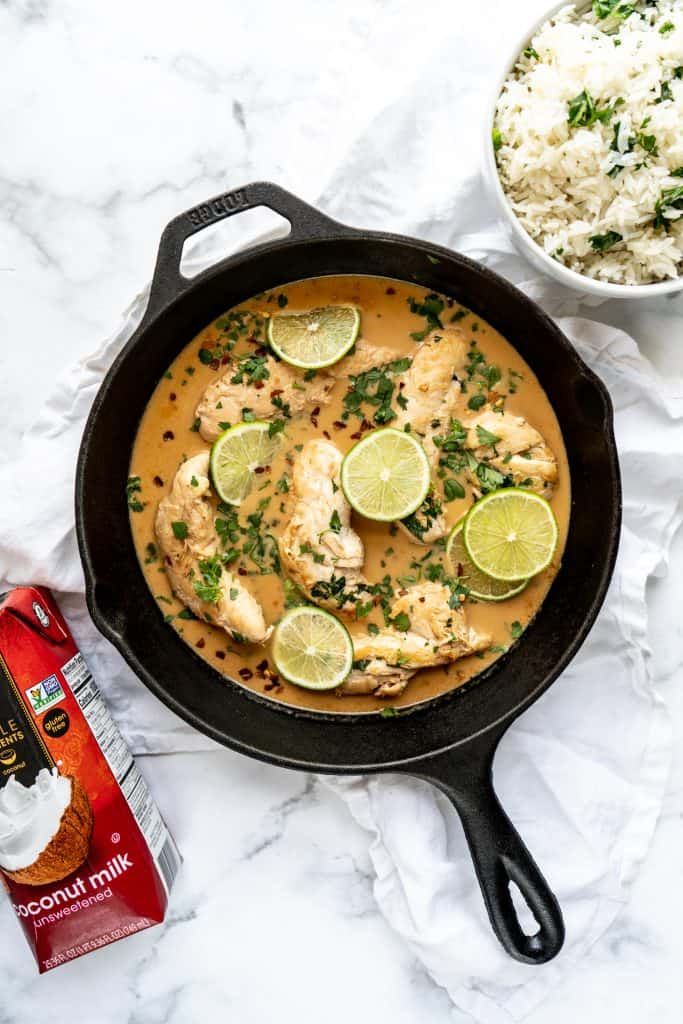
{"type": "Point", "coordinates": [165, 437]}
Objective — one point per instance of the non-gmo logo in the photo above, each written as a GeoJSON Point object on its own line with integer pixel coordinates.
{"type": "Point", "coordinates": [41, 615]}
{"type": "Point", "coordinates": [45, 693]}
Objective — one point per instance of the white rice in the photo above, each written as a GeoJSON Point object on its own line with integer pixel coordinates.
{"type": "Point", "coordinates": [556, 175]}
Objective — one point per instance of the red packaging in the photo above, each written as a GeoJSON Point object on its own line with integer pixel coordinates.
{"type": "Point", "coordinates": [84, 853]}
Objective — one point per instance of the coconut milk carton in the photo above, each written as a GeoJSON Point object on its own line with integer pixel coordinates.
{"type": "Point", "coordinates": [84, 853]}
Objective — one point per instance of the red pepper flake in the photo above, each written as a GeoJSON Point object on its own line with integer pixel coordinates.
{"type": "Point", "coordinates": [225, 360]}
{"type": "Point", "coordinates": [262, 665]}
{"type": "Point", "coordinates": [390, 291]}
{"type": "Point", "coordinates": [402, 592]}
{"type": "Point", "coordinates": [314, 415]}
{"type": "Point", "coordinates": [173, 396]}
{"type": "Point", "coordinates": [258, 384]}
{"type": "Point", "coordinates": [355, 436]}
{"type": "Point", "coordinates": [168, 560]}
{"type": "Point", "coordinates": [273, 684]}
{"type": "Point", "coordinates": [242, 571]}
{"type": "Point", "coordinates": [158, 481]}
{"type": "Point", "coordinates": [339, 425]}
{"type": "Point", "coordinates": [168, 435]}
{"type": "Point", "coordinates": [326, 434]}
{"type": "Point", "coordinates": [201, 643]}
{"type": "Point", "coordinates": [365, 425]}
{"type": "Point", "coordinates": [259, 469]}
{"type": "Point", "coordinates": [246, 673]}
{"type": "Point", "coordinates": [220, 654]}
{"type": "Point", "coordinates": [277, 391]}
{"type": "Point", "coordinates": [422, 600]}
{"type": "Point", "coordinates": [401, 384]}
{"type": "Point", "coordinates": [214, 364]}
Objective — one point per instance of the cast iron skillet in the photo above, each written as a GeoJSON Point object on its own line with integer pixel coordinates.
{"type": "Point", "coordinates": [450, 740]}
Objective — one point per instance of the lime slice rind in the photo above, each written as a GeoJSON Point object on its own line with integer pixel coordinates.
{"type": "Point", "coordinates": [312, 649]}
{"type": "Point", "coordinates": [314, 339]}
{"type": "Point", "coordinates": [511, 534]}
{"type": "Point", "coordinates": [235, 455]}
{"type": "Point", "coordinates": [386, 475]}
{"type": "Point", "coordinates": [481, 586]}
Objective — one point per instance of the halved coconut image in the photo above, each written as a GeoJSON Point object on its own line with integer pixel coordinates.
{"type": "Point", "coordinates": [45, 829]}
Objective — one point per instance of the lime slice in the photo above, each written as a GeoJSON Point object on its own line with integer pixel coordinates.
{"type": "Point", "coordinates": [511, 534]}
{"type": "Point", "coordinates": [236, 454]}
{"type": "Point", "coordinates": [386, 475]}
{"type": "Point", "coordinates": [312, 649]}
{"type": "Point", "coordinates": [315, 339]}
{"type": "Point", "coordinates": [481, 586]}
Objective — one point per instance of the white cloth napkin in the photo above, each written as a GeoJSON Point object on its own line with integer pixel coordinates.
{"type": "Point", "coordinates": [582, 774]}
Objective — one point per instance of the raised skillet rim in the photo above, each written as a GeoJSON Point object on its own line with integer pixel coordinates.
{"type": "Point", "coordinates": [417, 715]}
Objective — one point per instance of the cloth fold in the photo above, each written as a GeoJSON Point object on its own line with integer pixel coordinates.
{"type": "Point", "coordinates": [582, 773]}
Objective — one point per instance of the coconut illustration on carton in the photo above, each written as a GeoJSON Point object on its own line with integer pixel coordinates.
{"type": "Point", "coordinates": [45, 829]}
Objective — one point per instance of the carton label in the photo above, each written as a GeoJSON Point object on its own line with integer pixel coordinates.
{"type": "Point", "coordinates": [108, 869]}
{"type": "Point", "coordinates": [45, 693]}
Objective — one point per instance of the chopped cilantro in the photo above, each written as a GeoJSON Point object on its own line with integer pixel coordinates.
{"type": "Point", "coordinates": [612, 8]}
{"type": "Point", "coordinates": [453, 489]}
{"type": "Point", "coordinates": [133, 487]}
{"type": "Point", "coordinates": [375, 388]}
{"type": "Point", "coordinates": [179, 530]}
{"type": "Point", "coordinates": [335, 522]}
{"type": "Point", "coordinates": [389, 713]}
{"type": "Point", "coordinates": [601, 243]}
{"type": "Point", "coordinates": [208, 588]}
{"type": "Point", "coordinates": [401, 622]}
{"type": "Point", "coordinates": [187, 615]}
{"type": "Point", "coordinates": [276, 427]}
{"type": "Point", "coordinates": [582, 111]}
{"type": "Point", "coordinates": [282, 300]}
{"type": "Point", "coordinates": [476, 402]}
{"type": "Point", "coordinates": [670, 199]}
{"type": "Point", "coordinates": [421, 521]}
{"type": "Point", "coordinates": [516, 630]}
{"type": "Point", "coordinates": [486, 438]}
{"type": "Point", "coordinates": [151, 555]}
{"type": "Point", "coordinates": [254, 368]}
{"type": "Point", "coordinates": [431, 308]}
{"type": "Point", "coordinates": [283, 406]}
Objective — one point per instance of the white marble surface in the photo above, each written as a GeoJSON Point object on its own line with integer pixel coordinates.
{"type": "Point", "coordinates": [112, 120]}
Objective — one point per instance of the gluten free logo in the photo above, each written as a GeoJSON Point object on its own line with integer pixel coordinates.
{"type": "Point", "coordinates": [45, 693]}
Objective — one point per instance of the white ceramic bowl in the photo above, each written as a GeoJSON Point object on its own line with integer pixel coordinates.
{"type": "Point", "coordinates": [523, 241]}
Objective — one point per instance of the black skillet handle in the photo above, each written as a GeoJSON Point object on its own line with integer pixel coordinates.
{"type": "Point", "coordinates": [306, 223]}
{"type": "Point", "coordinates": [498, 853]}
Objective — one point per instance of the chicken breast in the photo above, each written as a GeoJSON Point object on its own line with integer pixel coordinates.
{"type": "Point", "coordinates": [430, 395]}
{"type": "Point", "coordinates": [430, 387]}
{"type": "Point", "coordinates": [192, 560]}
{"type": "Point", "coordinates": [225, 398]}
{"type": "Point", "coordinates": [519, 452]}
{"type": "Point", "coordinates": [437, 634]}
{"type": "Point", "coordinates": [319, 549]}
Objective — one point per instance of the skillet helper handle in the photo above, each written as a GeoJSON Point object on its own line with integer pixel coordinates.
{"type": "Point", "coordinates": [500, 857]}
{"type": "Point", "coordinates": [305, 221]}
